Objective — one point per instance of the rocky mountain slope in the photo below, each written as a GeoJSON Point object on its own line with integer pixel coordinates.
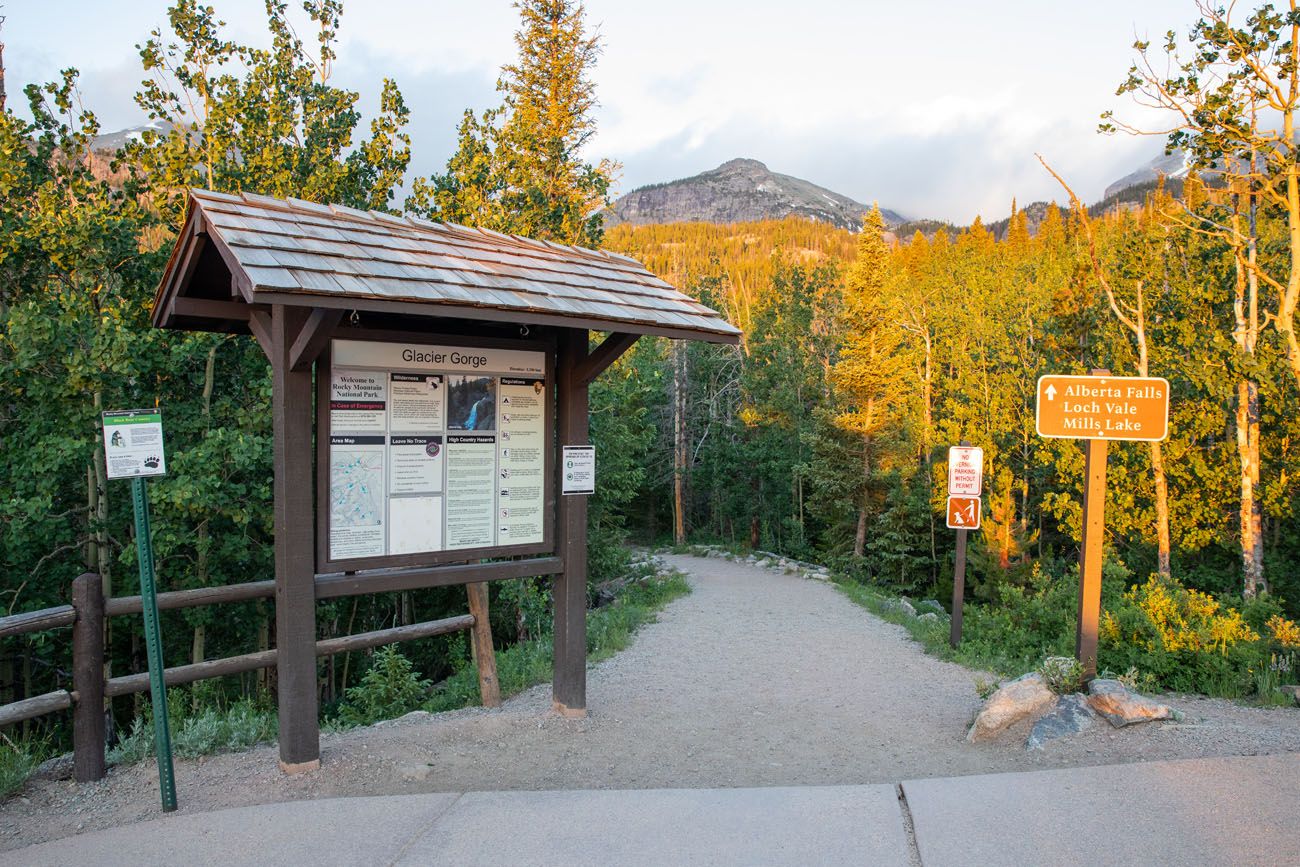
{"type": "Point", "coordinates": [1169, 166]}
{"type": "Point", "coordinates": [739, 190]}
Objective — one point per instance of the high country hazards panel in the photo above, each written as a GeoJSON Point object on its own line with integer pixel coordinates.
{"type": "Point", "coordinates": [434, 448]}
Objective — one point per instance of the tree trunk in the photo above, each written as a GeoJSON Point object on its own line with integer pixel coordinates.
{"type": "Point", "coordinates": [97, 498]}
{"type": "Point", "coordinates": [927, 390]}
{"type": "Point", "coordinates": [201, 573]}
{"type": "Point", "coordinates": [1162, 509]}
{"type": "Point", "coordinates": [860, 537]}
{"type": "Point", "coordinates": [680, 451]}
{"type": "Point", "coordinates": [198, 646]}
{"type": "Point", "coordinates": [1246, 335]}
{"type": "Point", "coordinates": [1251, 513]}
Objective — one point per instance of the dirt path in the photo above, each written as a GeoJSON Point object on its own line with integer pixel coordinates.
{"type": "Point", "coordinates": [755, 679]}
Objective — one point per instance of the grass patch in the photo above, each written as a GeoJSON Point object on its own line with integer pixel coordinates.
{"type": "Point", "coordinates": [17, 761]}
{"type": "Point", "coordinates": [609, 630]}
{"type": "Point", "coordinates": [207, 730]}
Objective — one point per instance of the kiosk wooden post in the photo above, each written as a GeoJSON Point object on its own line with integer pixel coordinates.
{"type": "Point", "coordinates": [569, 685]}
{"type": "Point", "coordinates": [295, 573]}
{"type": "Point", "coordinates": [424, 302]}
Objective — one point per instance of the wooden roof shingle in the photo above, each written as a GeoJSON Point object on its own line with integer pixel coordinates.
{"type": "Point", "coordinates": [289, 251]}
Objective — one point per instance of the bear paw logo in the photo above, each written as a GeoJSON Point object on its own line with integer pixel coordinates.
{"type": "Point", "coordinates": [151, 462]}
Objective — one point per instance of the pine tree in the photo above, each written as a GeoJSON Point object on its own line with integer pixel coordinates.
{"type": "Point", "coordinates": [519, 168]}
{"type": "Point", "coordinates": [868, 377]}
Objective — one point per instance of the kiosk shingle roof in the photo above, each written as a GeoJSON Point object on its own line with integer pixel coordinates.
{"type": "Point", "coordinates": [290, 251]}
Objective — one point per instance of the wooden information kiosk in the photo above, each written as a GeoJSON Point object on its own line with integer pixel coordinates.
{"type": "Point", "coordinates": [425, 379]}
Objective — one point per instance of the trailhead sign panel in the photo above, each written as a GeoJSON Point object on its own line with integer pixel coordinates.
{"type": "Point", "coordinates": [1131, 408]}
{"type": "Point", "coordinates": [434, 448]}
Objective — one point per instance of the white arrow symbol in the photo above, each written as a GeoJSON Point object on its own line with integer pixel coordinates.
{"type": "Point", "coordinates": [1050, 392]}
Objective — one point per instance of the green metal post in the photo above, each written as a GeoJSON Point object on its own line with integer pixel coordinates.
{"type": "Point", "coordinates": [153, 645]}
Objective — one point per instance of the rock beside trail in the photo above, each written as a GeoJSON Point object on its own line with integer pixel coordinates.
{"type": "Point", "coordinates": [928, 616]}
{"type": "Point", "coordinates": [1293, 691]}
{"type": "Point", "coordinates": [1025, 696]}
{"type": "Point", "coordinates": [1071, 716]}
{"type": "Point", "coordinates": [1113, 700]}
{"type": "Point", "coordinates": [57, 768]}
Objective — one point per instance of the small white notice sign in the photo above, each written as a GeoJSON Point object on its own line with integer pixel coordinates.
{"type": "Point", "coordinates": [965, 471]}
{"type": "Point", "coordinates": [578, 470]}
{"type": "Point", "coordinates": [133, 443]}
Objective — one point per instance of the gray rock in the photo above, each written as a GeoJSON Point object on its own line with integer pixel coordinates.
{"type": "Point", "coordinates": [931, 605]}
{"type": "Point", "coordinates": [1293, 691]}
{"type": "Point", "coordinates": [928, 617]}
{"type": "Point", "coordinates": [1071, 716]}
{"type": "Point", "coordinates": [1112, 700]}
{"type": "Point", "coordinates": [1023, 697]}
{"type": "Point", "coordinates": [57, 768]}
{"type": "Point", "coordinates": [414, 772]}
{"type": "Point", "coordinates": [906, 607]}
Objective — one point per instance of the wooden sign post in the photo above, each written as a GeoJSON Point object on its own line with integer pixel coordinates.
{"type": "Point", "coordinates": [1098, 408]}
{"type": "Point", "coordinates": [965, 484]}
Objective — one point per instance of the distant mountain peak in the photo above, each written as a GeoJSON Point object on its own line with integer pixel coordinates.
{"type": "Point", "coordinates": [738, 191]}
{"type": "Point", "coordinates": [742, 164]}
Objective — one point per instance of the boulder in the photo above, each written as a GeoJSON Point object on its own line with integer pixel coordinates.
{"type": "Point", "coordinates": [1023, 697]}
{"type": "Point", "coordinates": [906, 607]}
{"type": "Point", "coordinates": [55, 769]}
{"type": "Point", "coordinates": [1071, 716]}
{"type": "Point", "coordinates": [930, 605]}
{"type": "Point", "coordinates": [1113, 700]}
{"type": "Point", "coordinates": [928, 617]}
{"type": "Point", "coordinates": [1293, 691]}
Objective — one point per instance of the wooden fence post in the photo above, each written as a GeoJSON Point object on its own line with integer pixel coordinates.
{"type": "Point", "coordinates": [480, 638]}
{"type": "Point", "coordinates": [88, 679]}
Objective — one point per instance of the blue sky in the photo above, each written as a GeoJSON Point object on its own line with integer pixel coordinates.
{"type": "Point", "coordinates": [934, 109]}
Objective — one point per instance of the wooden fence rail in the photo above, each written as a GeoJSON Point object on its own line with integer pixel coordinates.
{"type": "Point", "coordinates": [89, 608]}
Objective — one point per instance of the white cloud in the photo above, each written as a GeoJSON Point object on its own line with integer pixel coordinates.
{"type": "Point", "coordinates": [933, 108]}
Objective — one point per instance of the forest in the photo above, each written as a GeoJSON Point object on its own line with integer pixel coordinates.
{"type": "Point", "coordinates": [823, 436]}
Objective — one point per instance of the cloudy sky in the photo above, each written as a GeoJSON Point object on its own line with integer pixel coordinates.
{"type": "Point", "coordinates": [934, 109]}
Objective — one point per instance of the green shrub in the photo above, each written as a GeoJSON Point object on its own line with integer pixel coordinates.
{"type": "Point", "coordinates": [388, 689]}
{"type": "Point", "coordinates": [202, 731]}
{"type": "Point", "coordinates": [1062, 674]}
{"type": "Point", "coordinates": [17, 761]}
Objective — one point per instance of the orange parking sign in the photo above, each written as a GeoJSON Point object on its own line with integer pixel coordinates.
{"type": "Point", "coordinates": [1103, 407]}
{"type": "Point", "coordinates": [964, 513]}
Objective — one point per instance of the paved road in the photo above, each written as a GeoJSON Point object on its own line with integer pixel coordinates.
{"type": "Point", "coordinates": [1235, 811]}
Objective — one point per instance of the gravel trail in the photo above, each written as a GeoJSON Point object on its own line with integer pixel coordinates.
{"type": "Point", "coordinates": [755, 679]}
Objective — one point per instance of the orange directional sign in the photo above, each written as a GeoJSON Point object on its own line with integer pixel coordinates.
{"type": "Point", "coordinates": [1103, 407]}
{"type": "Point", "coordinates": [964, 513]}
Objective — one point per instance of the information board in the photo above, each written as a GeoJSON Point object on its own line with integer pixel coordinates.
{"type": "Point", "coordinates": [579, 470]}
{"type": "Point", "coordinates": [1103, 407]}
{"type": "Point", "coordinates": [434, 448]}
{"type": "Point", "coordinates": [133, 443]}
{"type": "Point", "coordinates": [964, 513]}
{"type": "Point", "coordinates": [965, 471]}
